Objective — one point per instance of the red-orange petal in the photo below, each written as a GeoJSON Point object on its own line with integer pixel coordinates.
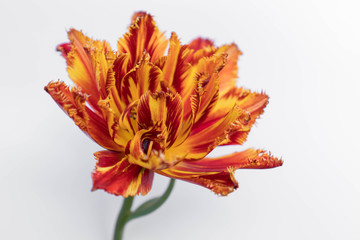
{"type": "Point", "coordinates": [200, 43]}
{"type": "Point", "coordinates": [143, 36]}
{"type": "Point", "coordinates": [117, 176]}
{"type": "Point", "coordinates": [73, 102]}
{"type": "Point", "coordinates": [217, 174]}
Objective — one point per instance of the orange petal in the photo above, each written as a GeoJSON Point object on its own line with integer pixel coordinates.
{"type": "Point", "coordinates": [252, 102]}
{"type": "Point", "coordinates": [144, 77]}
{"type": "Point", "coordinates": [117, 176]}
{"type": "Point", "coordinates": [88, 65]}
{"type": "Point", "coordinates": [143, 36]}
{"type": "Point", "coordinates": [73, 102]}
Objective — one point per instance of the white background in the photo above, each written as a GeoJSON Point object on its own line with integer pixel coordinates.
{"type": "Point", "coordinates": [304, 54]}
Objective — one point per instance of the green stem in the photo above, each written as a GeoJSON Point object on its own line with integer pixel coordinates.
{"type": "Point", "coordinates": [149, 206]}
{"type": "Point", "coordinates": [153, 204]}
{"type": "Point", "coordinates": [123, 217]}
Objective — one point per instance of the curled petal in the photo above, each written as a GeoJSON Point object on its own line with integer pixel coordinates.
{"type": "Point", "coordinates": [252, 102]}
{"type": "Point", "coordinates": [143, 36]}
{"type": "Point", "coordinates": [117, 176]}
{"type": "Point", "coordinates": [142, 78]}
{"type": "Point", "coordinates": [73, 103]}
{"type": "Point", "coordinates": [64, 48]}
{"type": "Point", "coordinates": [206, 89]}
{"type": "Point", "coordinates": [228, 75]}
{"type": "Point", "coordinates": [147, 149]}
{"type": "Point", "coordinates": [159, 109]}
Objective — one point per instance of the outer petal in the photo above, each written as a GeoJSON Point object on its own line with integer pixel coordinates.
{"type": "Point", "coordinates": [143, 36]}
{"type": "Point", "coordinates": [201, 48]}
{"type": "Point", "coordinates": [117, 176]}
{"type": "Point", "coordinates": [217, 174]}
{"type": "Point", "coordinates": [73, 104]}
{"type": "Point", "coordinates": [88, 65]}
{"type": "Point", "coordinates": [228, 74]}
{"type": "Point", "coordinates": [250, 158]}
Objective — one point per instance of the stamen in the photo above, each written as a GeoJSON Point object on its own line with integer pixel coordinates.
{"type": "Point", "coordinates": [149, 148]}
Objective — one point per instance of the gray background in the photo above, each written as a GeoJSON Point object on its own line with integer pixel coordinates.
{"type": "Point", "coordinates": [304, 54]}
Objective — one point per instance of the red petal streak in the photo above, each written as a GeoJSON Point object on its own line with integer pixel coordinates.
{"type": "Point", "coordinates": [121, 67]}
{"type": "Point", "coordinates": [143, 36]}
{"type": "Point", "coordinates": [176, 70]}
{"type": "Point", "coordinates": [117, 176]}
